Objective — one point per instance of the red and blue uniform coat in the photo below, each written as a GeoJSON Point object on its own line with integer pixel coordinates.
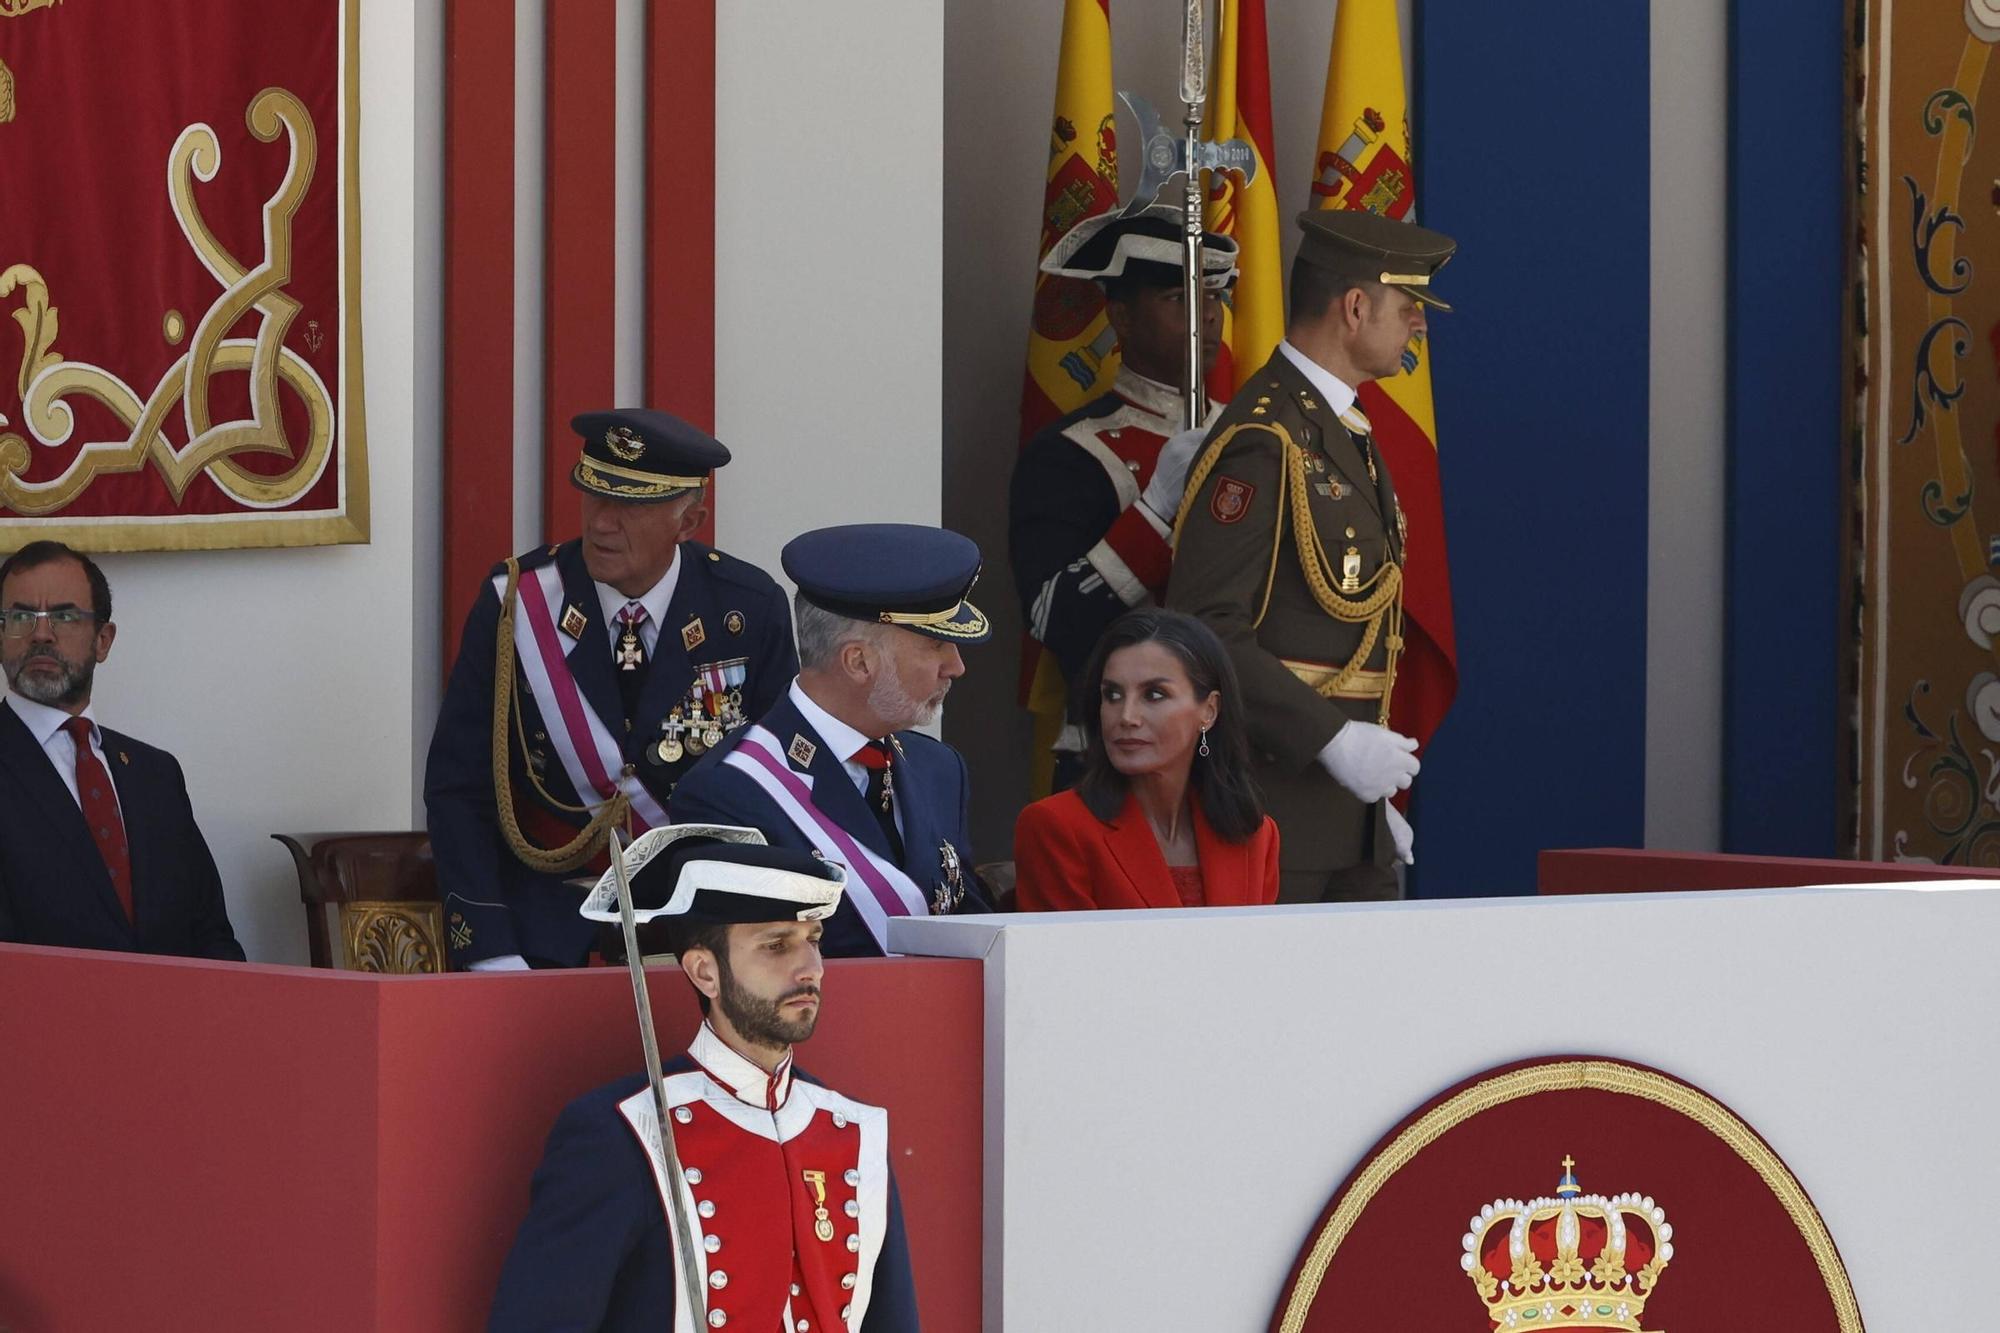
{"type": "Point", "coordinates": [786, 1183]}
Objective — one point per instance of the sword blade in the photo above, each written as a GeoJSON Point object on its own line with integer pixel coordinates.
{"type": "Point", "coordinates": [691, 1284]}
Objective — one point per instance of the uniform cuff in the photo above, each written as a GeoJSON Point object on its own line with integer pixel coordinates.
{"type": "Point", "coordinates": [1142, 548]}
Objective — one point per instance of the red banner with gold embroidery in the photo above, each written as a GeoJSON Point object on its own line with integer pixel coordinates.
{"type": "Point", "coordinates": [180, 363]}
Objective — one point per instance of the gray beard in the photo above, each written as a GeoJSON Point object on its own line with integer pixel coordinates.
{"type": "Point", "coordinates": [71, 686]}
{"type": "Point", "coordinates": [888, 700]}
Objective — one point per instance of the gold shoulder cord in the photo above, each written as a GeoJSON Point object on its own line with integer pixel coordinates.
{"type": "Point", "coordinates": [1383, 594]}
{"type": "Point", "coordinates": [588, 841]}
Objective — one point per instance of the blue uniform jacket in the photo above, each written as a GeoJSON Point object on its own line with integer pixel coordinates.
{"type": "Point", "coordinates": [932, 791]}
{"type": "Point", "coordinates": [494, 905]}
{"type": "Point", "coordinates": [595, 1252]}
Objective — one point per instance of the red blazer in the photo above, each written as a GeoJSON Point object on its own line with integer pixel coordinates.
{"type": "Point", "coordinates": [1065, 857]}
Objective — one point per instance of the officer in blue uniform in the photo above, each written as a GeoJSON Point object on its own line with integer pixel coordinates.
{"type": "Point", "coordinates": [834, 766]}
{"type": "Point", "coordinates": [786, 1186]}
{"type": "Point", "coordinates": [633, 650]}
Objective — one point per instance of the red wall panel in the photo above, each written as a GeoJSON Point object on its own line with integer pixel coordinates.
{"type": "Point", "coordinates": [188, 1145]}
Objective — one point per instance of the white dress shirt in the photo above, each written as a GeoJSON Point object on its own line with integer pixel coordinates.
{"type": "Point", "coordinates": [1338, 396]}
{"type": "Point", "coordinates": [655, 599]}
{"type": "Point", "coordinates": [45, 724]}
{"type": "Point", "coordinates": [844, 741]}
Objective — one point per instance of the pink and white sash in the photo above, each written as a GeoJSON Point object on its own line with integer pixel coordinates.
{"type": "Point", "coordinates": [587, 747]}
{"type": "Point", "coordinates": [889, 892]}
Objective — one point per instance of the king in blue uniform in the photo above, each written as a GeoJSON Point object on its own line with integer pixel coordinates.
{"type": "Point", "coordinates": [634, 650]}
{"type": "Point", "coordinates": [834, 765]}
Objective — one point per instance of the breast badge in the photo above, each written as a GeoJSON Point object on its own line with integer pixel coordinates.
{"type": "Point", "coordinates": [693, 635]}
{"type": "Point", "coordinates": [801, 751]}
{"type": "Point", "coordinates": [733, 622]}
{"type": "Point", "coordinates": [574, 622]}
{"type": "Point", "coordinates": [1231, 500]}
{"type": "Point", "coordinates": [949, 891]}
{"type": "Point", "coordinates": [710, 710]}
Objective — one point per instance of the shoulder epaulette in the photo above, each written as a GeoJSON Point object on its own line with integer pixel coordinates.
{"type": "Point", "coordinates": [730, 569]}
{"type": "Point", "coordinates": [535, 559]}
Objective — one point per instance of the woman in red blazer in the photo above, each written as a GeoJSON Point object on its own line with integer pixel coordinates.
{"type": "Point", "coordinates": [1165, 814]}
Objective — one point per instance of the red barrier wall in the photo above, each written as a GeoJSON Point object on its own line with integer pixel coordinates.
{"type": "Point", "coordinates": [190, 1145]}
{"type": "Point", "coordinates": [1630, 870]}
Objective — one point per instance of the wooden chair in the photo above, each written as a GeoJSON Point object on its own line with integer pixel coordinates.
{"type": "Point", "coordinates": [371, 900]}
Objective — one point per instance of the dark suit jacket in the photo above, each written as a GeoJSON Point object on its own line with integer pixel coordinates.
{"type": "Point", "coordinates": [1066, 857]}
{"type": "Point", "coordinates": [54, 888]}
{"type": "Point", "coordinates": [932, 791]}
{"type": "Point", "coordinates": [494, 905]}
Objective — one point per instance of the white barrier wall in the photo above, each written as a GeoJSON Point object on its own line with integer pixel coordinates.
{"type": "Point", "coordinates": [1265, 1051]}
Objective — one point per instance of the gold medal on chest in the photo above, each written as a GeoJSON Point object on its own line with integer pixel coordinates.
{"type": "Point", "coordinates": [672, 731]}
{"type": "Point", "coordinates": [822, 1220]}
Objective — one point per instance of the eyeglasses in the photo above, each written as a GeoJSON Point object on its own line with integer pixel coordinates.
{"type": "Point", "coordinates": [18, 620]}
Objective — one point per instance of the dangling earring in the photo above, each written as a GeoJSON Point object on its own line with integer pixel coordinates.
{"type": "Point", "coordinates": [1202, 749]}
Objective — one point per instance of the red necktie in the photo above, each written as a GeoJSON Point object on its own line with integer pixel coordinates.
{"type": "Point", "coordinates": [100, 811]}
{"type": "Point", "coordinates": [874, 756]}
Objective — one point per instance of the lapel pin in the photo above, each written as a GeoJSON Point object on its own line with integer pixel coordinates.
{"type": "Point", "coordinates": [802, 751]}
{"type": "Point", "coordinates": [124, 758]}
{"type": "Point", "coordinates": [693, 635]}
{"type": "Point", "coordinates": [574, 623]}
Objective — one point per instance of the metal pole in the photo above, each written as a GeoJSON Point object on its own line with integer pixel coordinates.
{"type": "Point", "coordinates": [691, 1282]}
{"type": "Point", "coordinates": [1194, 88]}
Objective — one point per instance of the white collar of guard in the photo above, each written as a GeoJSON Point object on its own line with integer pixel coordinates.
{"type": "Point", "coordinates": [747, 1081]}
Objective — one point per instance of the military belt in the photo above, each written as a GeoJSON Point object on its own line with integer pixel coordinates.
{"type": "Point", "coordinates": [1361, 685]}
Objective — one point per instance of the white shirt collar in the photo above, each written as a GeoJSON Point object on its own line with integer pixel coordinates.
{"type": "Point", "coordinates": [1339, 397]}
{"type": "Point", "coordinates": [655, 599]}
{"type": "Point", "coordinates": [1162, 400]}
{"type": "Point", "coordinates": [746, 1080]}
{"type": "Point", "coordinates": [43, 721]}
{"type": "Point", "coordinates": [840, 738]}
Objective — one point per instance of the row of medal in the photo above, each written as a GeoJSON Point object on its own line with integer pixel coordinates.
{"type": "Point", "coordinates": [712, 709]}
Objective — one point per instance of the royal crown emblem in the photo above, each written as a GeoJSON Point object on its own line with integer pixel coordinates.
{"type": "Point", "coordinates": [1576, 1261]}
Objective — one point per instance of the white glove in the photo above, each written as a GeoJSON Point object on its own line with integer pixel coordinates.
{"type": "Point", "coordinates": [506, 962]}
{"type": "Point", "coordinates": [1370, 761]}
{"type": "Point", "coordinates": [1399, 830]}
{"type": "Point", "coordinates": [1163, 492]}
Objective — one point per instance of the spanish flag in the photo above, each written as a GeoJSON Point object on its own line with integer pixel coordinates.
{"type": "Point", "coordinates": [1365, 163]}
{"type": "Point", "coordinates": [1239, 107]}
{"type": "Point", "coordinates": [1071, 349]}
{"type": "Point", "coordinates": [1072, 352]}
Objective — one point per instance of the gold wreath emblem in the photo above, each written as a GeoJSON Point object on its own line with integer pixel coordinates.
{"type": "Point", "coordinates": [621, 441]}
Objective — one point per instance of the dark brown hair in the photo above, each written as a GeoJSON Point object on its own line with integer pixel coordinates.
{"type": "Point", "coordinates": [1222, 781]}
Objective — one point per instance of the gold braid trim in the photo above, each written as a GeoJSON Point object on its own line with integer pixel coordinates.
{"type": "Point", "coordinates": [590, 839]}
{"type": "Point", "coordinates": [1381, 608]}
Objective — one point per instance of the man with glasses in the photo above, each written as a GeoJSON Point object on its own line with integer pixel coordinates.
{"type": "Point", "coordinates": [98, 843]}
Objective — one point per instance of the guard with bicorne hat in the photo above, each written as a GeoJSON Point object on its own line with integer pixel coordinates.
{"type": "Point", "coordinates": [1093, 495]}
{"type": "Point", "coordinates": [620, 659]}
{"type": "Point", "coordinates": [782, 1187]}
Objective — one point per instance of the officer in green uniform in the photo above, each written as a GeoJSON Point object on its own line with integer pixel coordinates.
{"type": "Point", "coordinates": [1289, 543]}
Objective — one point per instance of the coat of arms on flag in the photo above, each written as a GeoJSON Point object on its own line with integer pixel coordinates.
{"type": "Point", "coordinates": [180, 363]}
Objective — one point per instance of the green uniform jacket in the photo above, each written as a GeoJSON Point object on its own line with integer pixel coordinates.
{"type": "Point", "coordinates": [1237, 565]}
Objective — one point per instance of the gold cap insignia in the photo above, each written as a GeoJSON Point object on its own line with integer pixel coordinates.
{"type": "Point", "coordinates": [621, 441]}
